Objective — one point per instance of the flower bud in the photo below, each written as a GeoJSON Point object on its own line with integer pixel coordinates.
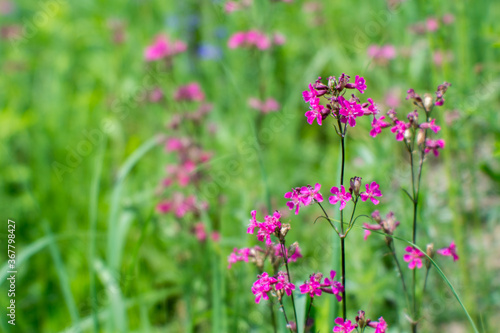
{"type": "Point", "coordinates": [430, 252]}
{"type": "Point", "coordinates": [376, 216]}
{"type": "Point", "coordinates": [420, 137]}
{"type": "Point", "coordinates": [355, 185]}
{"type": "Point", "coordinates": [408, 134]}
{"type": "Point", "coordinates": [428, 102]}
{"type": "Point", "coordinates": [285, 227]}
{"type": "Point", "coordinates": [361, 320]}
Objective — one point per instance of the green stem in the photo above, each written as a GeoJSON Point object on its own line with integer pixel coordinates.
{"type": "Point", "coordinates": [342, 236]}
{"type": "Point", "coordinates": [285, 259]}
{"type": "Point", "coordinates": [284, 313]}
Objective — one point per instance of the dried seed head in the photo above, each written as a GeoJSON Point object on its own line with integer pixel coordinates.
{"type": "Point", "coordinates": [428, 102]}
{"type": "Point", "coordinates": [420, 136]}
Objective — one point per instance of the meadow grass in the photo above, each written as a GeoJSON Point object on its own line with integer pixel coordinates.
{"type": "Point", "coordinates": [81, 162]}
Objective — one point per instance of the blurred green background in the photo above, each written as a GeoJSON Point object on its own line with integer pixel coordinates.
{"type": "Point", "coordinates": [81, 159]}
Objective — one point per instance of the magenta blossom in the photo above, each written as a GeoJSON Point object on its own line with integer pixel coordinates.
{"type": "Point", "coordinates": [400, 129]}
{"type": "Point", "coordinates": [449, 251]}
{"type": "Point", "coordinates": [284, 283]}
{"type": "Point", "coordinates": [380, 326]}
{"type": "Point", "coordinates": [316, 112]}
{"type": "Point", "coordinates": [434, 145]}
{"type": "Point", "coordinates": [435, 128]}
{"type": "Point", "coordinates": [335, 286]}
{"type": "Point", "coordinates": [339, 195]}
{"type": "Point", "coordinates": [262, 286]}
{"type": "Point", "coordinates": [413, 257]}
{"type": "Point", "coordinates": [309, 95]}
{"type": "Point", "coordinates": [190, 92]}
{"type": "Point", "coordinates": [162, 48]}
{"type": "Point", "coordinates": [270, 226]}
{"type": "Point", "coordinates": [360, 84]}
{"type": "Point", "coordinates": [312, 287]}
{"type": "Point", "coordinates": [372, 191]}
{"type": "Point", "coordinates": [370, 227]}
{"type": "Point", "coordinates": [303, 196]}
{"type": "Point", "coordinates": [238, 255]}
{"type": "Point", "coordinates": [349, 111]}
{"type": "Point", "coordinates": [343, 327]}
{"type": "Point", "coordinates": [377, 126]}
{"type": "Point", "coordinates": [278, 252]}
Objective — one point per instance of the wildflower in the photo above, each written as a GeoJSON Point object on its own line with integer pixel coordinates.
{"type": "Point", "coordinates": [400, 129]}
{"type": "Point", "coordinates": [339, 195]}
{"type": "Point", "coordinates": [433, 145]}
{"type": "Point", "coordinates": [432, 24]}
{"type": "Point", "coordinates": [435, 128]}
{"type": "Point", "coordinates": [316, 112]}
{"type": "Point", "coordinates": [262, 286]}
{"type": "Point", "coordinates": [312, 287]}
{"type": "Point", "coordinates": [265, 107]}
{"type": "Point", "coordinates": [343, 327]}
{"type": "Point", "coordinates": [270, 226]}
{"type": "Point", "coordinates": [448, 19]}
{"type": "Point", "coordinates": [309, 95]}
{"type": "Point", "coordinates": [238, 255]}
{"type": "Point", "coordinates": [278, 252]}
{"type": "Point", "coordinates": [189, 92]}
{"type": "Point", "coordinates": [200, 232]}
{"type": "Point", "coordinates": [360, 84]}
{"type": "Point", "coordinates": [354, 185]}
{"type": "Point", "coordinates": [380, 326]}
{"type": "Point", "coordinates": [377, 125]}
{"type": "Point", "coordinates": [162, 48]}
{"type": "Point", "coordinates": [370, 107]}
{"type": "Point", "coordinates": [370, 227]}
{"type": "Point", "coordinates": [413, 257]}
{"type": "Point", "coordinates": [349, 111]}
{"type": "Point", "coordinates": [372, 191]}
{"type": "Point", "coordinates": [449, 251]}
{"type": "Point", "coordinates": [284, 284]}
{"type": "Point", "coordinates": [441, 90]}
{"type": "Point", "coordinates": [335, 286]}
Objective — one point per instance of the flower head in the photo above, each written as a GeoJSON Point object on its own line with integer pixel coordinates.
{"type": "Point", "coordinates": [380, 326]}
{"type": "Point", "coordinates": [335, 286]}
{"type": "Point", "coordinates": [315, 112]}
{"type": "Point", "coordinates": [312, 287]}
{"type": "Point", "coordinates": [400, 129]}
{"type": "Point", "coordinates": [377, 125]}
{"type": "Point", "coordinates": [372, 191]}
{"type": "Point", "coordinates": [284, 284]}
{"type": "Point", "coordinates": [339, 195]}
{"type": "Point", "coordinates": [449, 251]}
{"type": "Point", "coordinates": [433, 145]}
{"type": "Point", "coordinates": [413, 257]}
{"type": "Point", "coordinates": [360, 84]}
{"type": "Point", "coordinates": [270, 226]}
{"type": "Point", "coordinates": [343, 327]}
{"type": "Point", "coordinates": [435, 128]}
{"type": "Point", "coordinates": [262, 286]}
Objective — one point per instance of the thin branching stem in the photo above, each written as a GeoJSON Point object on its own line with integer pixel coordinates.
{"type": "Point", "coordinates": [285, 259]}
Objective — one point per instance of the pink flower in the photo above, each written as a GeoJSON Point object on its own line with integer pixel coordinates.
{"type": "Point", "coordinates": [162, 48]}
{"type": "Point", "coordinates": [238, 255]}
{"type": "Point", "coordinates": [377, 125]}
{"type": "Point", "coordinates": [369, 109]}
{"type": "Point", "coordinates": [343, 327]}
{"type": "Point", "coordinates": [237, 40]}
{"type": "Point", "coordinates": [303, 196]}
{"type": "Point", "coordinates": [380, 326]}
{"type": "Point", "coordinates": [278, 39]}
{"type": "Point", "coordinates": [174, 144]}
{"type": "Point", "coordinates": [190, 92]}
{"type": "Point", "coordinates": [284, 283]}
{"type": "Point", "coordinates": [372, 191]}
{"type": "Point", "coordinates": [262, 286]}
{"type": "Point", "coordinates": [312, 287]}
{"type": "Point", "coordinates": [339, 195]}
{"type": "Point", "coordinates": [316, 112]}
{"type": "Point", "coordinates": [199, 231]}
{"type": "Point", "coordinates": [349, 111]}
{"type": "Point", "coordinates": [413, 257]}
{"type": "Point", "coordinates": [269, 105]}
{"type": "Point", "coordinates": [449, 251]}
{"type": "Point", "coordinates": [360, 84]}
{"type": "Point", "coordinates": [335, 286]}
{"type": "Point", "coordinates": [434, 145]}
{"type": "Point", "coordinates": [309, 95]}
{"type": "Point", "coordinates": [448, 19]}
{"type": "Point", "coordinates": [215, 235]}
{"type": "Point", "coordinates": [278, 252]}
{"type": "Point", "coordinates": [267, 228]}
{"type": "Point", "coordinates": [432, 24]}
{"type": "Point", "coordinates": [435, 128]}
{"type": "Point", "coordinates": [400, 129]}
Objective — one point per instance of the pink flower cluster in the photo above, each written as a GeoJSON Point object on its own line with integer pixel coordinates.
{"type": "Point", "coordinates": [431, 24]}
{"type": "Point", "coordinates": [180, 205]}
{"type": "Point", "coordinates": [162, 48]}
{"type": "Point", "coordinates": [270, 226]}
{"type": "Point", "coordinates": [266, 284]}
{"type": "Point", "coordinates": [381, 54]}
{"type": "Point", "coordinates": [343, 326]}
{"type": "Point", "coordinates": [314, 287]}
{"type": "Point", "coordinates": [270, 105]}
{"type": "Point", "coordinates": [254, 38]}
{"type": "Point", "coordinates": [200, 233]}
{"type": "Point", "coordinates": [388, 225]}
{"type": "Point", "coordinates": [303, 196]}
{"type": "Point", "coordinates": [340, 194]}
{"type": "Point", "coordinates": [345, 110]}
{"type": "Point", "coordinates": [189, 92]}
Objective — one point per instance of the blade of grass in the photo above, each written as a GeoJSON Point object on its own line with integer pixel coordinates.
{"type": "Point", "coordinates": [63, 278]}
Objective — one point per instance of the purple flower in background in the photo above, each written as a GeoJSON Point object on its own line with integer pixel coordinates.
{"type": "Point", "coordinates": [400, 129]}
{"type": "Point", "coordinates": [435, 128]}
{"type": "Point", "coordinates": [434, 145]}
{"type": "Point", "coordinates": [449, 251]}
